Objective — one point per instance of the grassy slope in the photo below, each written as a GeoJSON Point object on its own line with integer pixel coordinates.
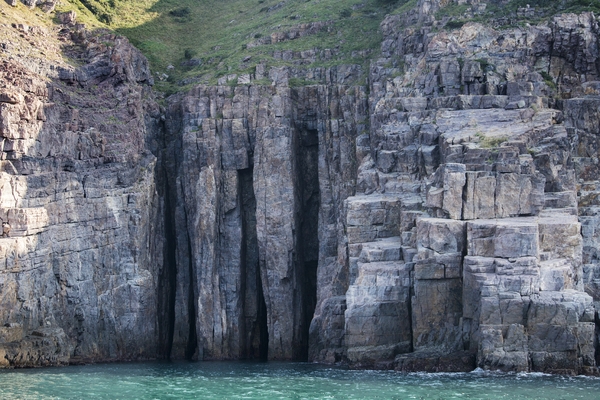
{"type": "Point", "coordinates": [216, 31]}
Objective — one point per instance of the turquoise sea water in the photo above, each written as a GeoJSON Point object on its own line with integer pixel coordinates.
{"type": "Point", "coordinates": [240, 380]}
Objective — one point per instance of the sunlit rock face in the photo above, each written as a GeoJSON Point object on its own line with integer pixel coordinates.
{"type": "Point", "coordinates": [440, 217]}
{"type": "Point", "coordinates": [82, 239]}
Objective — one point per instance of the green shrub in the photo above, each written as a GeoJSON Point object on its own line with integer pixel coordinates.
{"type": "Point", "coordinates": [487, 142]}
{"type": "Point", "coordinates": [454, 24]}
{"type": "Point", "coordinates": [180, 12]}
{"type": "Point", "coordinates": [346, 13]}
{"type": "Point", "coordinates": [188, 54]}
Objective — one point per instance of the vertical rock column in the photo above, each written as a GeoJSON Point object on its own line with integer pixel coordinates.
{"type": "Point", "coordinates": [437, 301]}
{"type": "Point", "coordinates": [278, 182]}
{"type": "Point", "coordinates": [341, 113]}
{"type": "Point", "coordinates": [259, 176]}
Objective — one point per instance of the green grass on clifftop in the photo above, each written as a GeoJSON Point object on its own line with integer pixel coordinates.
{"type": "Point", "coordinates": [193, 41]}
{"type": "Point", "coordinates": [214, 34]}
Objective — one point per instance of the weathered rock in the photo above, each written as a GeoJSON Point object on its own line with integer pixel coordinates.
{"type": "Point", "coordinates": [440, 209]}
{"type": "Point", "coordinates": [378, 312]}
{"type": "Point", "coordinates": [43, 347]}
{"type": "Point", "coordinates": [81, 260]}
{"type": "Point", "coordinates": [67, 18]}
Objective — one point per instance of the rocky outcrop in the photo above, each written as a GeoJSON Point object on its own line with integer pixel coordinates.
{"type": "Point", "coordinates": [440, 218]}
{"type": "Point", "coordinates": [259, 186]}
{"type": "Point", "coordinates": [483, 258]}
{"type": "Point", "coordinates": [448, 226]}
{"type": "Point", "coordinates": [82, 256]}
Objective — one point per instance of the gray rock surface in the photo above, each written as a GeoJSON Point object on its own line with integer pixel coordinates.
{"type": "Point", "coordinates": [442, 218]}
{"type": "Point", "coordinates": [80, 265]}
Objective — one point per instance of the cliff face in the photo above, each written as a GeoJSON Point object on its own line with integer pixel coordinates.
{"type": "Point", "coordinates": [441, 217]}
{"type": "Point", "coordinates": [81, 262]}
{"type": "Point", "coordinates": [451, 203]}
{"type": "Point", "coordinates": [258, 176]}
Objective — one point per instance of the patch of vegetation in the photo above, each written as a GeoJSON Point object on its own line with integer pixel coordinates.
{"type": "Point", "coordinates": [485, 65]}
{"type": "Point", "coordinates": [263, 81]}
{"type": "Point", "coordinates": [548, 80]}
{"type": "Point", "coordinates": [84, 14]}
{"type": "Point", "coordinates": [298, 82]}
{"type": "Point", "coordinates": [180, 12]}
{"type": "Point", "coordinates": [102, 9]}
{"type": "Point", "coordinates": [224, 34]}
{"type": "Point", "coordinates": [188, 53]}
{"type": "Point", "coordinates": [453, 25]}
{"type": "Point", "coordinates": [543, 9]}
{"type": "Point", "coordinates": [404, 6]}
{"type": "Point", "coordinates": [511, 13]}
{"type": "Point", "coordinates": [346, 13]}
{"type": "Point", "coordinates": [488, 142]}
{"type": "Point", "coordinates": [452, 10]}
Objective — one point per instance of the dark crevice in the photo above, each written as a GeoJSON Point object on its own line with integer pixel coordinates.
{"type": "Point", "coordinates": [263, 331]}
{"type": "Point", "coordinates": [597, 338]}
{"type": "Point", "coordinates": [307, 177]}
{"type": "Point", "coordinates": [410, 316]}
{"type": "Point", "coordinates": [167, 281]}
{"type": "Point", "coordinates": [191, 351]}
{"type": "Point", "coordinates": [255, 340]}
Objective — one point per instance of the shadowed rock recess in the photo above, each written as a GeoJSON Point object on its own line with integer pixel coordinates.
{"type": "Point", "coordinates": [441, 217]}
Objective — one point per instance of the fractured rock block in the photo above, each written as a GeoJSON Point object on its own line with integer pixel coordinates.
{"type": "Point", "coordinates": [496, 292]}
{"type": "Point", "coordinates": [26, 221]}
{"type": "Point", "coordinates": [560, 199]}
{"type": "Point", "coordinates": [436, 315]}
{"type": "Point", "coordinates": [567, 307]}
{"type": "Point", "coordinates": [449, 77]}
{"type": "Point", "coordinates": [561, 330]}
{"type": "Point", "coordinates": [479, 201]}
{"type": "Point", "coordinates": [556, 275]}
{"type": "Point", "coordinates": [377, 314]}
{"type": "Point", "coordinates": [519, 194]}
{"type": "Point", "coordinates": [388, 249]}
{"type": "Point", "coordinates": [371, 217]}
{"type": "Point", "coordinates": [591, 279]}
{"type": "Point", "coordinates": [507, 238]}
{"type": "Point", "coordinates": [503, 348]}
{"type": "Point", "coordinates": [439, 266]}
{"type": "Point", "coordinates": [328, 344]}
{"type": "Point", "coordinates": [560, 237]}
{"type": "Point", "coordinates": [42, 347]}
{"type": "Point", "coordinates": [453, 180]}
{"type": "Point", "coordinates": [440, 235]}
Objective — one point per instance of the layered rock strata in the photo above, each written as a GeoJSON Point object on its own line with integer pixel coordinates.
{"type": "Point", "coordinates": [82, 251]}
{"type": "Point", "coordinates": [481, 262]}
{"type": "Point", "coordinates": [440, 218]}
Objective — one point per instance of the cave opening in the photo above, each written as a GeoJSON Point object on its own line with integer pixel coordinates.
{"type": "Point", "coordinates": [191, 351]}
{"type": "Point", "coordinates": [255, 340]}
{"type": "Point", "coordinates": [307, 156]}
{"type": "Point", "coordinates": [167, 285]}
{"type": "Point", "coordinates": [167, 279]}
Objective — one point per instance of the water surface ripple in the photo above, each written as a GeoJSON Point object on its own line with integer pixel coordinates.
{"type": "Point", "coordinates": [241, 380]}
